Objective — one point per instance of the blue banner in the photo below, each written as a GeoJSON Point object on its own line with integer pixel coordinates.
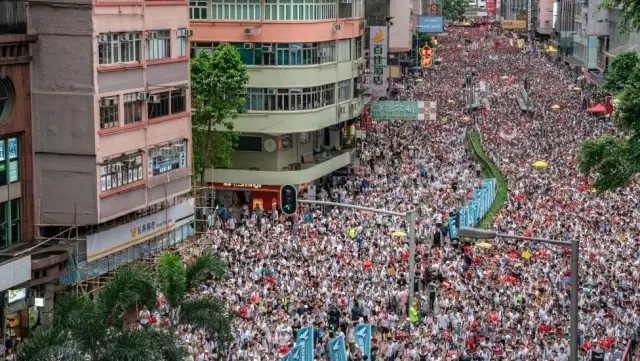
{"type": "Point", "coordinates": [475, 209]}
{"type": "Point", "coordinates": [286, 357]}
{"type": "Point", "coordinates": [304, 338]}
{"type": "Point", "coordinates": [337, 352]}
{"type": "Point", "coordinates": [295, 354]}
{"type": "Point", "coordinates": [362, 334]}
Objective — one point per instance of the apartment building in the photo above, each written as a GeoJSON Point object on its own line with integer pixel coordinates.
{"type": "Point", "coordinates": [305, 60]}
{"type": "Point", "coordinates": [112, 131]}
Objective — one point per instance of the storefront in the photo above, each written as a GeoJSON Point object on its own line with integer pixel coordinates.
{"type": "Point", "coordinates": [15, 275]}
{"type": "Point", "coordinates": [236, 196]}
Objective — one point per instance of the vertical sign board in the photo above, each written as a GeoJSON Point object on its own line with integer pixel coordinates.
{"type": "Point", "coordinates": [304, 338]}
{"type": "Point", "coordinates": [378, 52]}
{"type": "Point", "coordinates": [362, 335]}
{"type": "Point", "coordinates": [491, 8]}
{"type": "Point", "coordinates": [431, 24]}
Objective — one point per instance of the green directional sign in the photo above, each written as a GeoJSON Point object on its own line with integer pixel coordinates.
{"type": "Point", "coordinates": [394, 110]}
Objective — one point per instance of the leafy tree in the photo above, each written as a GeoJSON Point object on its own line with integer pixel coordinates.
{"type": "Point", "coordinates": [218, 85]}
{"type": "Point", "coordinates": [454, 9]}
{"type": "Point", "coordinates": [85, 329]}
{"type": "Point", "coordinates": [629, 11]}
{"type": "Point", "coordinates": [615, 160]}
{"type": "Point", "coordinates": [620, 71]}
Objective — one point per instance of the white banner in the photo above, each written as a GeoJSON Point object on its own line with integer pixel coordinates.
{"type": "Point", "coordinates": [115, 239]}
{"type": "Point", "coordinates": [378, 53]}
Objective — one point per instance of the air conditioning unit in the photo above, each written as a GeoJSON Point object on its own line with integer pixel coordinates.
{"type": "Point", "coordinates": [103, 38]}
{"type": "Point", "coordinates": [358, 86]}
{"type": "Point", "coordinates": [142, 96]}
{"type": "Point", "coordinates": [124, 37]}
{"type": "Point", "coordinates": [320, 54]}
{"type": "Point", "coordinates": [250, 31]}
{"type": "Point", "coordinates": [266, 49]}
{"type": "Point", "coordinates": [181, 33]}
{"type": "Point", "coordinates": [248, 45]}
{"type": "Point", "coordinates": [107, 102]}
{"type": "Point", "coordinates": [128, 98]}
{"type": "Point", "coordinates": [336, 27]}
{"type": "Point", "coordinates": [271, 91]}
{"type": "Point", "coordinates": [154, 98]}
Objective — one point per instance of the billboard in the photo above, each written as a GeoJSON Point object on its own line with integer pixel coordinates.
{"type": "Point", "coordinates": [431, 24]}
{"type": "Point", "coordinates": [491, 7]}
{"type": "Point", "coordinates": [514, 24]}
{"type": "Point", "coordinates": [378, 53]}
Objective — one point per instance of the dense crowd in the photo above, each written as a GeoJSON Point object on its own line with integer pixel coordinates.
{"type": "Point", "coordinates": [334, 267]}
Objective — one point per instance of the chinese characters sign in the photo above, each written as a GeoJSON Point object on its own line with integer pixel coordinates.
{"type": "Point", "coordinates": [491, 7]}
{"type": "Point", "coordinates": [378, 60]}
{"type": "Point", "coordinates": [397, 110]}
{"type": "Point", "coordinates": [426, 56]}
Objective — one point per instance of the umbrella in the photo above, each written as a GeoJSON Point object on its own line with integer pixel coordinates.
{"type": "Point", "coordinates": [597, 109]}
{"type": "Point", "coordinates": [419, 80]}
{"type": "Point", "coordinates": [484, 245]}
{"type": "Point", "coordinates": [577, 89]}
{"type": "Point", "coordinates": [540, 164]}
{"type": "Point", "coordinates": [451, 101]}
{"type": "Point", "coordinates": [398, 234]}
{"type": "Point", "coordinates": [555, 107]}
{"type": "Point", "coordinates": [504, 77]}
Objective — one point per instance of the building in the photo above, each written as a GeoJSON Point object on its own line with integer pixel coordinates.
{"type": "Point", "coordinates": [305, 61]}
{"type": "Point", "coordinates": [112, 131]}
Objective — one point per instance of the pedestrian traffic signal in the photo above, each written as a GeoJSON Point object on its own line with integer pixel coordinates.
{"type": "Point", "coordinates": [288, 199]}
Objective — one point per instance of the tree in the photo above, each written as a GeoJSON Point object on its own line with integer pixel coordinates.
{"type": "Point", "coordinates": [620, 71]}
{"type": "Point", "coordinates": [82, 328]}
{"type": "Point", "coordinates": [218, 85]}
{"type": "Point", "coordinates": [629, 11]}
{"type": "Point", "coordinates": [613, 161]}
{"type": "Point", "coordinates": [454, 9]}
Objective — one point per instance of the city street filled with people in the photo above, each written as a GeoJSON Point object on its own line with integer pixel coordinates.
{"type": "Point", "coordinates": [333, 267]}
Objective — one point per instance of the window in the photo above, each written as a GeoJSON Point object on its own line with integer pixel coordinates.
{"type": "Point", "coordinates": [343, 50]}
{"type": "Point", "coordinates": [121, 171]}
{"type": "Point", "coordinates": [197, 48]}
{"type": "Point", "coordinates": [168, 157]}
{"type": "Point", "coordinates": [277, 54]}
{"type": "Point", "coordinates": [132, 108]}
{"type": "Point", "coordinates": [158, 44]}
{"type": "Point", "coordinates": [299, 10]}
{"type": "Point", "coordinates": [294, 99]}
{"type": "Point", "coordinates": [198, 10]}
{"type": "Point", "coordinates": [326, 52]}
{"type": "Point", "coordinates": [109, 113]}
{"type": "Point", "coordinates": [9, 168]}
{"type": "Point", "coordinates": [344, 90]}
{"type": "Point", "coordinates": [118, 48]}
{"type": "Point", "coordinates": [358, 48]}
{"type": "Point", "coordinates": [5, 97]}
{"type": "Point", "coordinates": [166, 103]}
{"type": "Point", "coordinates": [249, 144]}
{"type": "Point", "coordinates": [235, 10]}
{"type": "Point", "coordinates": [182, 38]}
{"type": "Point", "coordinates": [9, 223]}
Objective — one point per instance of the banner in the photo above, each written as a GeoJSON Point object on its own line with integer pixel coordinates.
{"type": "Point", "coordinates": [337, 352]}
{"type": "Point", "coordinates": [286, 357]}
{"type": "Point", "coordinates": [295, 354]}
{"type": "Point", "coordinates": [378, 53]}
{"type": "Point", "coordinates": [362, 334]}
{"type": "Point", "coordinates": [304, 338]}
{"type": "Point", "coordinates": [474, 211]}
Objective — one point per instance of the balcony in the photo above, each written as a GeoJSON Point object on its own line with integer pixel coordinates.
{"type": "Point", "coordinates": [324, 163]}
{"type": "Point", "coordinates": [14, 271]}
{"type": "Point", "coordinates": [13, 17]}
{"type": "Point", "coordinates": [303, 75]}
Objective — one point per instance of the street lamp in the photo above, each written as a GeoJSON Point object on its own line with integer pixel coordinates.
{"type": "Point", "coordinates": [477, 233]}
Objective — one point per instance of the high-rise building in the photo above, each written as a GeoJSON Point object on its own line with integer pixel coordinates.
{"type": "Point", "coordinates": [305, 60]}
{"type": "Point", "coordinates": [111, 129]}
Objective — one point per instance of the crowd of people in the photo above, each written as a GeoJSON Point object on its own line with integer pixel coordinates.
{"type": "Point", "coordinates": [335, 267]}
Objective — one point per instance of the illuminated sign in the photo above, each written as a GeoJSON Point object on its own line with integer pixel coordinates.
{"type": "Point", "coordinates": [378, 60]}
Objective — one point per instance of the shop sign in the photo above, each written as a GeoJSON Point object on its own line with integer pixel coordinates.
{"type": "Point", "coordinates": [115, 239]}
{"type": "Point", "coordinates": [38, 302]}
{"type": "Point", "coordinates": [378, 38]}
{"type": "Point", "coordinates": [240, 185]}
{"type": "Point", "coordinates": [244, 186]}
{"type": "Point", "coordinates": [394, 110]}
{"type": "Point", "coordinates": [514, 24]}
{"type": "Point", "coordinates": [16, 295]}
{"type": "Point", "coordinates": [342, 172]}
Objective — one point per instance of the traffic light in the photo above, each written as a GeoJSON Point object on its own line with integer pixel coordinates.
{"type": "Point", "coordinates": [288, 199]}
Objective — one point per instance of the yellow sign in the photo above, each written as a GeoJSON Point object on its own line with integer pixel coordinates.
{"type": "Point", "coordinates": [378, 37]}
{"type": "Point", "coordinates": [514, 24]}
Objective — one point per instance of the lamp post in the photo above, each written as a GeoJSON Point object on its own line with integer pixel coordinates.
{"type": "Point", "coordinates": [575, 250]}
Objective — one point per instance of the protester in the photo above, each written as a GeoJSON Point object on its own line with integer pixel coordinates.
{"type": "Point", "coordinates": [333, 267]}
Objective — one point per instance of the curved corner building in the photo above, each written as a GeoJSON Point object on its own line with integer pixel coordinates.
{"type": "Point", "coordinates": [305, 59]}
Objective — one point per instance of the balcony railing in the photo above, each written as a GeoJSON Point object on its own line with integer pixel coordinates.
{"type": "Point", "coordinates": [13, 17]}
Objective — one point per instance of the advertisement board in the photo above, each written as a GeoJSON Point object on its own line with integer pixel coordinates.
{"type": "Point", "coordinates": [514, 24]}
{"type": "Point", "coordinates": [378, 53]}
{"type": "Point", "coordinates": [431, 24]}
{"type": "Point", "coordinates": [491, 7]}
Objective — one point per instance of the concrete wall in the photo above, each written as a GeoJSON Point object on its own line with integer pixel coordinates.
{"type": "Point", "coordinates": [63, 110]}
{"type": "Point", "coordinates": [300, 76]}
{"type": "Point", "coordinates": [400, 31]}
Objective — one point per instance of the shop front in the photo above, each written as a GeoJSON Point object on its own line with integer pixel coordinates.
{"type": "Point", "coordinates": [14, 277]}
{"type": "Point", "coordinates": [236, 197]}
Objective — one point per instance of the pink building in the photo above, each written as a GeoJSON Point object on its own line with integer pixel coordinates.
{"type": "Point", "coordinates": [112, 131]}
{"type": "Point", "coordinates": [545, 17]}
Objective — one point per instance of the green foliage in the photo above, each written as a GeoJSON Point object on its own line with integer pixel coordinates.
{"type": "Point", "coordinates": [620, 71]}
{"type": "Point", "coordinates": [218, 86]}
{"type": "Point", "coordinates": [489, 170]}
{"type": "Point", "coordinates": [614, 161]}
{"type": "Point", "coordinates": [82, 328]}
{"type": "Point", "coordinates": [454, 9]}
{"type": "Point", "coordinates": [629, 11]}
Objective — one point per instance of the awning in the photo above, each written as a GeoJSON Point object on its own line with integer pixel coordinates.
{"type": "Point", "coordinates": [613, 52]}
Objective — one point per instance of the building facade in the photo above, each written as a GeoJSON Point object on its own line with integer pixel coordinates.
{"type": "Point", "coordinates": [112, 129]}
{"type": "Point", "coordinates": [305, 60]}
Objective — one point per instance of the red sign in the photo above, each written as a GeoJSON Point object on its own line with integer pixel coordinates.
{"type": "Point", "coordinates": [247, 187]}
{"type": "Point", "coordinates": [274, 203]}
{"type": "Point", "coordinates": [491, 7]}
{"type": "Point", "coordinates": [434, 9]}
